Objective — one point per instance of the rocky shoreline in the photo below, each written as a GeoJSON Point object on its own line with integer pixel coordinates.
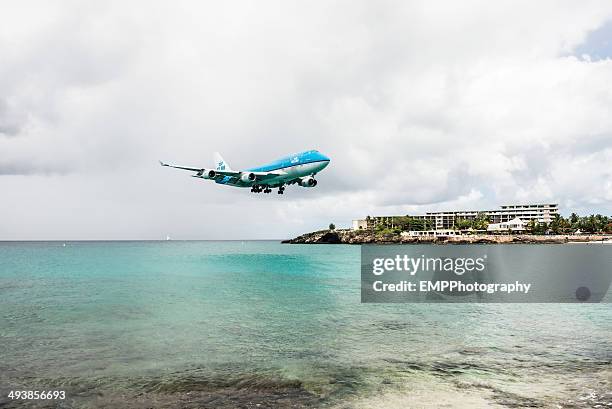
{"type": "Point", "coordinates": [370, 237]}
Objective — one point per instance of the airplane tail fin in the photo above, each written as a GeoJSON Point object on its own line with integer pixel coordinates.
{"type": "Point", "coordinates": [220, 163]}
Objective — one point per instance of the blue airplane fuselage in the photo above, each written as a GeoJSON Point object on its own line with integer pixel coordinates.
{"type": "Point", "coordinates": [289, 168]}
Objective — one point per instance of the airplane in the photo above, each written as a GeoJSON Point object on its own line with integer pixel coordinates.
{"type": "Point", "coordinates": [299, 168]}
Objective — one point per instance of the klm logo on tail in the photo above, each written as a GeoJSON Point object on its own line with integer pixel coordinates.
{"type": "Point", "coordinates": [220, 163]}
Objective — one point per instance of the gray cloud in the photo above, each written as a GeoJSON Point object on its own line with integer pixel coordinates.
{"type": "Point", "coordinates": [421, 106]}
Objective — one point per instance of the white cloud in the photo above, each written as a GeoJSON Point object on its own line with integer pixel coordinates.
{"type": "Point", "coordinates": [421, 106]}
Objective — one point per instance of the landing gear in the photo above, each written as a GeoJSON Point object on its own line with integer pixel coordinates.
{"type": "Point", "coordinates": [259, 189]}
{"type": "Point", "coordinates": [266, 189]}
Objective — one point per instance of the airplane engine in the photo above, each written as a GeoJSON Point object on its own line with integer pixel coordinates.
{"type": "Point", "coordinates": [308, 182]}
{"type": "Point", "coordinates": [207, 173]}
{"type": "Point", "coordinates": [247, 177]}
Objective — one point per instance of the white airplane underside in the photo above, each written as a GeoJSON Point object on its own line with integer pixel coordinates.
{"type": "Point", "coordinates": [294, 169]}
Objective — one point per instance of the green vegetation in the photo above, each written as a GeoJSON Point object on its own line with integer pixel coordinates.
{"type": "Point", "coordinates": [537, 228]}
{"type": "Point", "coordinates": [332, 226]}
{"type": "Point", "coordinates": [385, 230]}
{"type": "Point", "coordinates": [462, 224]}
{"type": "Point", "coordinates": [479, 223]}
{"type": "Point", "coordinates": [399, 224]}
{"type": "Point", "coordinates": [595, 223]}
{"type": "Point", "coordinates": [407, 223]}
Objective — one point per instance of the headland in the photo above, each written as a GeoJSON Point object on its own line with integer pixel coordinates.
{"type": "Point", "coordinates": [372, 237]}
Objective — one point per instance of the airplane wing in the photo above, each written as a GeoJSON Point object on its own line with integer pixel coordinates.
{"type": "Point", "coordinates": [260, 176]}
{"type": "Point", "coordinates": [219, 172]}
{"type": "Point", "coordinates": [180, 167]}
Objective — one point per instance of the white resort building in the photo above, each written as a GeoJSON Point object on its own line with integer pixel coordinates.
{"type": "Point", "coordinates": [542, 213]}
{"type": "Point", "coordinates": [515, 225]}
{"type": "Point", "coordinates": [360, 224]}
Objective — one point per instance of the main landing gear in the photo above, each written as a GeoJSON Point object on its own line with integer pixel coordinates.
{"type": "Point", "coordinates": [259, 189]}
{"type": "Point", "coordinates": [266, 189]}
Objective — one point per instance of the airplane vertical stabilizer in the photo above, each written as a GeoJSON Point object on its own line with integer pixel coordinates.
{"type": "Point", "coordinates": [220, 163]}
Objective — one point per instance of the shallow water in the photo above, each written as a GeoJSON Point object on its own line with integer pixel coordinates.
{"type": "Point", "coordinates": [240, 324]}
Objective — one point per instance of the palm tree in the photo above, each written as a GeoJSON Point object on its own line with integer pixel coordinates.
{"type": "Point", "coordinates": [532, 226]}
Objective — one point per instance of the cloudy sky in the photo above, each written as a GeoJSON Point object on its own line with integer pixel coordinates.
{"type": "Point", "coordinates": [421, 105]}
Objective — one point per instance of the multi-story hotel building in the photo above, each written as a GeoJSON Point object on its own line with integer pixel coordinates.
{"type": "Point", "coordinates": [542, 213]}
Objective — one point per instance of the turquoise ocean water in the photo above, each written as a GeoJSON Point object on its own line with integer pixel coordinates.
{"type": "Point", "coordinates": [241, 324]}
